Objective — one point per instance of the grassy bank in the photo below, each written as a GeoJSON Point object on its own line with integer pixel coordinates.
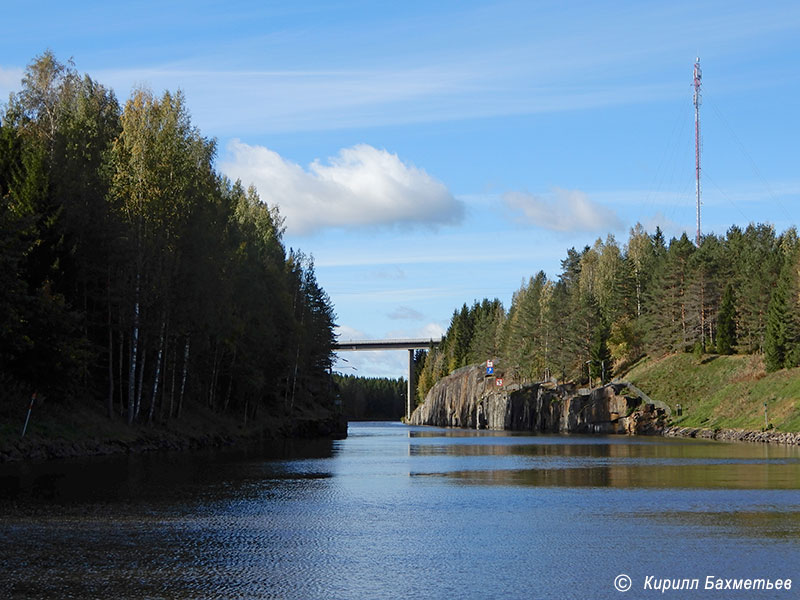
{"type": "Point", "coordinates": [63, 430]}
{"type": "Point", "coordinates": [721, 391]}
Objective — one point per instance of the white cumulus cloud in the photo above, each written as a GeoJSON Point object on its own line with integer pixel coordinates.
{"type": "Point", "coordinates": [347, 333]}
{"type": "Point", "coordinates": [432, 331]}
{"type": "Point", "coordinates": [360, 187]}
{"type": "Point", "coordinates": [563, 210]}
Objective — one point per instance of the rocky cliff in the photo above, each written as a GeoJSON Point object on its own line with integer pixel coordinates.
{"type": "Point", "coordinates": [467, 398]}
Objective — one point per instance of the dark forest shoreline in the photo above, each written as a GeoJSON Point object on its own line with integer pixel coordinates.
{"type": "Point", "coordinates": [202, 430]}
{"type": "Point", "coordinates": [171, 438]}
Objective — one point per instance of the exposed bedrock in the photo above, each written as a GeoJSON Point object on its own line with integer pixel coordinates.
{"type": "Point", "coordinates": [468, 398]}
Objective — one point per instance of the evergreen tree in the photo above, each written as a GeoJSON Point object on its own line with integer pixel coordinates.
{"type": "Point", "coordinates": [523, 346]}
{"type": "Point", "coordinates": [600, 356]}
{"type": "Point", "coordinates": [667, 317]}
{"type": "Point", "coordinates": [487, 320]}
{"type": "Point", "coordinates": [756, 260]}
{"type": "Point", "coordinates": [706, 274]}
{"type": "Point", "coordinates": [726, 322]}
{"type": "Point", "coordinates": [133, 273]}
{"type": "Point", "coordinates": [371, 398]}
{"type": "Point", "coordinates": [782, 342]}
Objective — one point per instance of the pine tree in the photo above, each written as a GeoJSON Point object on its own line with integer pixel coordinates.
{"type": "Point", "coordinates": [667, 318]}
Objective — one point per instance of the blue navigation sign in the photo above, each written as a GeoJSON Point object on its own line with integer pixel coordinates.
{"type": "Point", "coordinates": [489, 367]}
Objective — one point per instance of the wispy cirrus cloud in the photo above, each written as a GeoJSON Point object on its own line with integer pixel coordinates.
{"type": "Point", "coordinates": [402, 313]}
{"type": "Point", "coordinates": [562, 210]}
{"type": "Point", "coordinates": [392, 273]}
{"type": "Point", "coordinates": [310, 75]}
{"type": "Point", "coordinates": [291, 100]}
{"type": "Point", "coordinates": [360, 187]}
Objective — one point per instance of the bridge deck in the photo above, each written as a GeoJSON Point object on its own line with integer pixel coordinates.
{"type": "Point", "coordinates": [414, 344]}
{"type": "Point", "coordinates": [409, 345]}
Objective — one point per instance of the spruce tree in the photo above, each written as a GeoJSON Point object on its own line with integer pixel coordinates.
{"type": "Point", "coordinates": [756, 258]}
{"type": "Point", "coordinates": [783, 330]}
{"type": "Point", "coordinates": [600, 366]}
{"type": "Point", "coordinates": [775, 341]}
{"type": "Point", "coordinates": [726, 322]}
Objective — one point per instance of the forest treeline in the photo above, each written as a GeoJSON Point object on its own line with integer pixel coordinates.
{"type": "Point", "coordinates": [612, 304]}
{"type": "Point", "coordinates": [371, 398]}
{"type": "Point", "coordinates": [135, 275]}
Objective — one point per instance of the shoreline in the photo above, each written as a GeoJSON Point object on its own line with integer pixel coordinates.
{"type": "Point", "coordinates": [672, 431]}
{"type": "Point", "coordinates": [734, 435]}
{"type": "Point", "coordinates": [160, 439]}
{"type": "Point", "coordinates": [332, 427]}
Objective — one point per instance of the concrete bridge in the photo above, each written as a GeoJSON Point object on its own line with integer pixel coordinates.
{"type": "Point", "coordinates": [410, 345]}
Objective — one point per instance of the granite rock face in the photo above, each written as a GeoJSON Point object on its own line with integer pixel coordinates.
{"type": "Point", "coordinates": [467, 398]}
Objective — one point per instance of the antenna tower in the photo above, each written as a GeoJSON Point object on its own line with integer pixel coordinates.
{"type": "Point", "coordinates": [698, 78]}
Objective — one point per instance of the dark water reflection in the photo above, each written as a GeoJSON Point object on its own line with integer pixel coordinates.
{"type": "Point", "coordinates": [397, 512]}
{"type": "Point", "coordinates": [152, 476]}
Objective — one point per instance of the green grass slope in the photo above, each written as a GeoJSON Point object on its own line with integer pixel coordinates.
{"type": "Point", "coordinates": [721, 391]}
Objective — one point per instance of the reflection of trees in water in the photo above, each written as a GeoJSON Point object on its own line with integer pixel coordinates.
{"type": "Point", "coordinates": [435, 443]}
{"type": "Point", "coordinates": [746, 475]}
{"type": "Point", "coordinates": [617, 461]}
{"type": "Point", "coordinates": [159, 476]}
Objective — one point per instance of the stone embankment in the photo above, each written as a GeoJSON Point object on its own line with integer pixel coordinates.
{"type": "Point", "coordinates": [467, 398]}
{"type": "Point", "coordinates": [734, 435]}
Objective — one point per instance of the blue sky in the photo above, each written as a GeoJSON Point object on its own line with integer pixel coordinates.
{"type": "Point", "coordinates": [434, 153]}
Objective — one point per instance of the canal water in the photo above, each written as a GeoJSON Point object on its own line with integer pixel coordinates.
{"type": "Point", "coordinates": [405, 512]}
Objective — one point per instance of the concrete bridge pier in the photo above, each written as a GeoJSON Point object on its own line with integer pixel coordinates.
{"type": "Point", "coordinates": [411, 386]}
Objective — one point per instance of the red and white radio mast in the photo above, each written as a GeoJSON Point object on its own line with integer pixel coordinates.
{"type": "Point", "coordinates": [698, 77]}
